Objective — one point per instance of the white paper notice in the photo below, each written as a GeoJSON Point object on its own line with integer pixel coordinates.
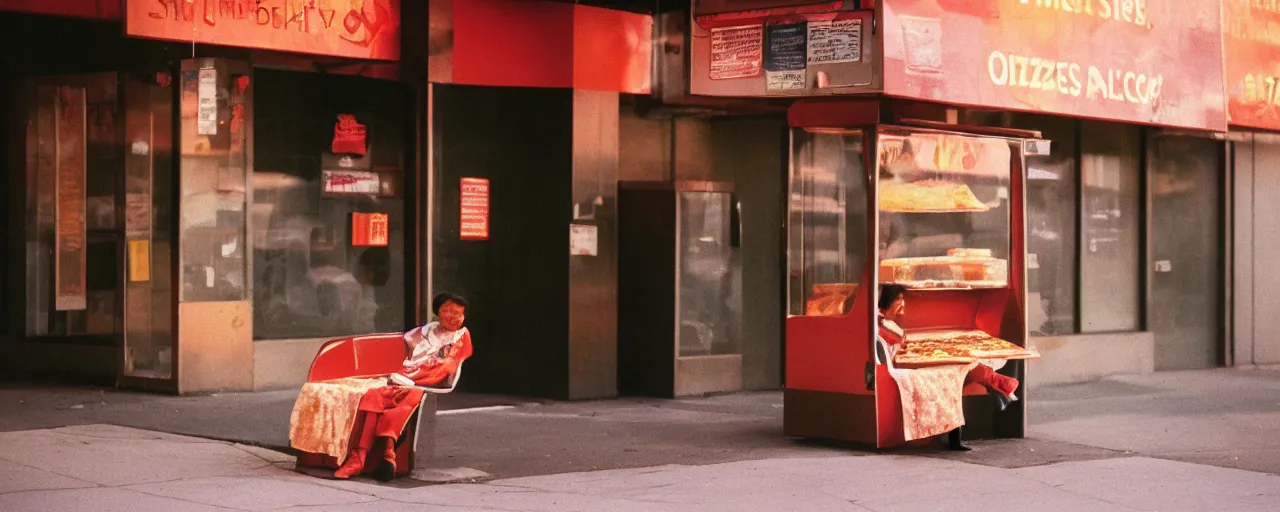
{"type": "Point", "coordinates": [785, 80]}
{"type": "Point", "coordinates": [834, 42]}
{"type": "Point", "coordinates": [207, 102]}
{"type": "Point", "coordinates": [737, 52]}
{"type": "Point", "coordinates": [583, 240]}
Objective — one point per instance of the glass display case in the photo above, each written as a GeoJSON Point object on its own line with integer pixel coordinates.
{"type": "Point", "coordinates": [935, 210]}
{"type": "Point", "coordinates": [943, 201]}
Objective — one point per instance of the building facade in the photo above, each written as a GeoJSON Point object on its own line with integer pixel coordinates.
{"type": "Point", "coordinates": [255, 178]}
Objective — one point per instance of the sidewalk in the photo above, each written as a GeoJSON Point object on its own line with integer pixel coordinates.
{"type": "Point", "coordinates": [108, 468]}
{"type": "Point", "coordinates": [1171, 441]}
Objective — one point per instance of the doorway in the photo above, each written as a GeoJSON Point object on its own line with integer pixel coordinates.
{"type": "Point", "coordinates": [97, 208]}
{"type": "Point", "coordinates": [1186, 263]}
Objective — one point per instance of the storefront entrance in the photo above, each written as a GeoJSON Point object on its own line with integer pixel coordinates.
{"type": "Point", "coordinates": [1187, 275]}
{"type": "Point", "coordinates": [97, 222]}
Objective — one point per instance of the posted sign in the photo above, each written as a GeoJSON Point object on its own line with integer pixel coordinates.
{"type": "Point", "coordinates": [474, 209]}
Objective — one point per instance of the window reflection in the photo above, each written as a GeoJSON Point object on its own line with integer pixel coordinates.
{"type": "Point", "coordinates": [316, 272]}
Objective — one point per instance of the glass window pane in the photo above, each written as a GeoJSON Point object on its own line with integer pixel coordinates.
{"type": "Point", "coordinates": [1052, 235]}
{"type": "Point", "coordinates": [828, 221]}
{"type": "Point", "coordinates": [213, 184]}
{"type": "Point", "coordinates": [1110, 267]}
{"type": "Point", "coordinates": [706, 316]}
{"type": "Point", "coordinates": [328, 229]}
{"type": "Point", "coordinates": [72, 250]}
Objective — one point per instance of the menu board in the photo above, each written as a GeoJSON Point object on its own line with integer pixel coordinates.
{"type": "Point", "coordinates": [785, 57]}
{"type": "Point", "coordinates": [473, 215]}
{"type": "Point", "coordinates": [69, 239]}
{"type": "Point", "coordinates": [736, 52]}
{"type": "Point", "coordinates": [835, 42]}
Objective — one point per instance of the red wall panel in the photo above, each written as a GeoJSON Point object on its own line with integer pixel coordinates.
{"type": "Point", "coordinates": [102, 9]}
{"type": "Point", "coordinates": [525, 43]}
{"type": "Point", "coordinates": [513, 43]}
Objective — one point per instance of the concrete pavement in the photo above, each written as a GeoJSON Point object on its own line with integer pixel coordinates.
{"type": "Point", "coordinates": [110, 468]}
{"type": "Point", "coordinates": [1207, 440]}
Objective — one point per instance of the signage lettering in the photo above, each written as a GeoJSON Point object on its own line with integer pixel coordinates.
{"type": "Point", "coordinates": [1126, 60]}
{"type": "Point", "coordinates": [367, 29]}
{"type": "Point", "coordinates": [1128, 11]}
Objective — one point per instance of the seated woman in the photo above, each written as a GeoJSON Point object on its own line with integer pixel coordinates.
{"type": "Point", "coordinates": [932, 397]}
{"type": "Point", "coordinates": [377, 408]}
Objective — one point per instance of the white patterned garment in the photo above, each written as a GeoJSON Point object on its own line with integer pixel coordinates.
{"type": "Point", "coordinates": [428, 343]}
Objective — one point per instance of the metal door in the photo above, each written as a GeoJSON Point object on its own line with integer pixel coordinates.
{"type": "Point", "coordinates": [1186, 263]}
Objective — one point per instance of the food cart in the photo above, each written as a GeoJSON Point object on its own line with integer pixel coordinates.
{"type": "Point", "coordinates": [937, 208]}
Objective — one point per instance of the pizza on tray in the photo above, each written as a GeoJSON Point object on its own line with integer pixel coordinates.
{"type": "Point", "coordinates": [928, 196]}
{"type": "Point", "coordinates": [956, 347]}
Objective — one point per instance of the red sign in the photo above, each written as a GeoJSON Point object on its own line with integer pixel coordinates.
{"type": "Point", "coordinates": [349, 136]}
{"type": "Point", "coordinates": [1252, 51]}
{"type": "Point", "coordinates": [99, 9]}
{"type": "Point", "coordinates": [370, 229]}
{"type": "Point", "coordinates": [1154, 62]}
{"type": "Point", "coordinates": [358, 29]}
{"type": "Point", "coordinates": [474, 205]}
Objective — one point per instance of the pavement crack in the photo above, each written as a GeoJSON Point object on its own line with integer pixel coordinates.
{"type": "Point", "coordinates": [184, 500]}
{"type": "Point", "coordinates": [90, 484]}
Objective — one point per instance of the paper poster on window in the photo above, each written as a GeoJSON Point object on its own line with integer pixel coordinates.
{"type": "Point", "coordinates": [69, 236]}
{"type": "Point", "coordinates": [370, 229]}
{"type": "Point", "coordinates": [584, 240]}
{"type": "Point", "coordinates": [350, 182]}
{"type": "Point", "coordinates": [737, 52]}
{"type": "Point", "coordinates": [207, 102]}
{"type": "Point", "coordinates": [473, 214]}
{"type": "Point", "coordinates": [139, 261]}
{"type": "Point", "coordinates": [835, 42]}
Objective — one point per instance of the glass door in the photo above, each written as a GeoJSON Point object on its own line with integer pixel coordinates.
{"type": "Point", "coordinates": [148, 205]}
{"type": "Point", "coordinates": [708, 315]}
{"type": "Point", "coordinates": [72, 238]}
{"type": "Point", "coordinates": [1187, 252]}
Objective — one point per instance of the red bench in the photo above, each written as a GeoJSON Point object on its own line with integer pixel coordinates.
{"type": "Point", "coordinates": [371, 356]}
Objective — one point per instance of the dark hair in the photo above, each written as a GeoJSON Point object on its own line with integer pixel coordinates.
{"type": "Point", "coordinates": [890, 293]}
{"type": "Point", "coordinates": [439, 300]}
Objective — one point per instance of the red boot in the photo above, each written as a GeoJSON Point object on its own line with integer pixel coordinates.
{"type": "Point", "coordinates": [354, 464]}
{"type": "Point", "coordinates": [387, 467]}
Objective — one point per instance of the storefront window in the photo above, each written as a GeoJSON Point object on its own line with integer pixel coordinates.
{"type": "Point", "coordinates": [1110, 266]}
{"type": "Point", "coordinates": [1052, 235]}
{"type": "Point", "coordinates": [329, 212]}
{"type": "Point", "coordinates": [829, 219]}
{"type": "Point", "coordinates": [214, 161]}
{"type": "Point", "coordinates": [72, 245]}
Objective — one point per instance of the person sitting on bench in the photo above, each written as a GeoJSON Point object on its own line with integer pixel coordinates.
{"type": "Point", "coordinates": [434, 352]}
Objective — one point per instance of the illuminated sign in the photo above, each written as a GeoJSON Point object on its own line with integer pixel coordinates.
{"type": "Point", "coordinates": [358, 29]}
{"type": "Point", "coordinates": [1153, 61]}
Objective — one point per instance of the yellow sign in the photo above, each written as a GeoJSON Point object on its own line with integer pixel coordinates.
{"type": "Point", "coordinates": [139, 261]}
